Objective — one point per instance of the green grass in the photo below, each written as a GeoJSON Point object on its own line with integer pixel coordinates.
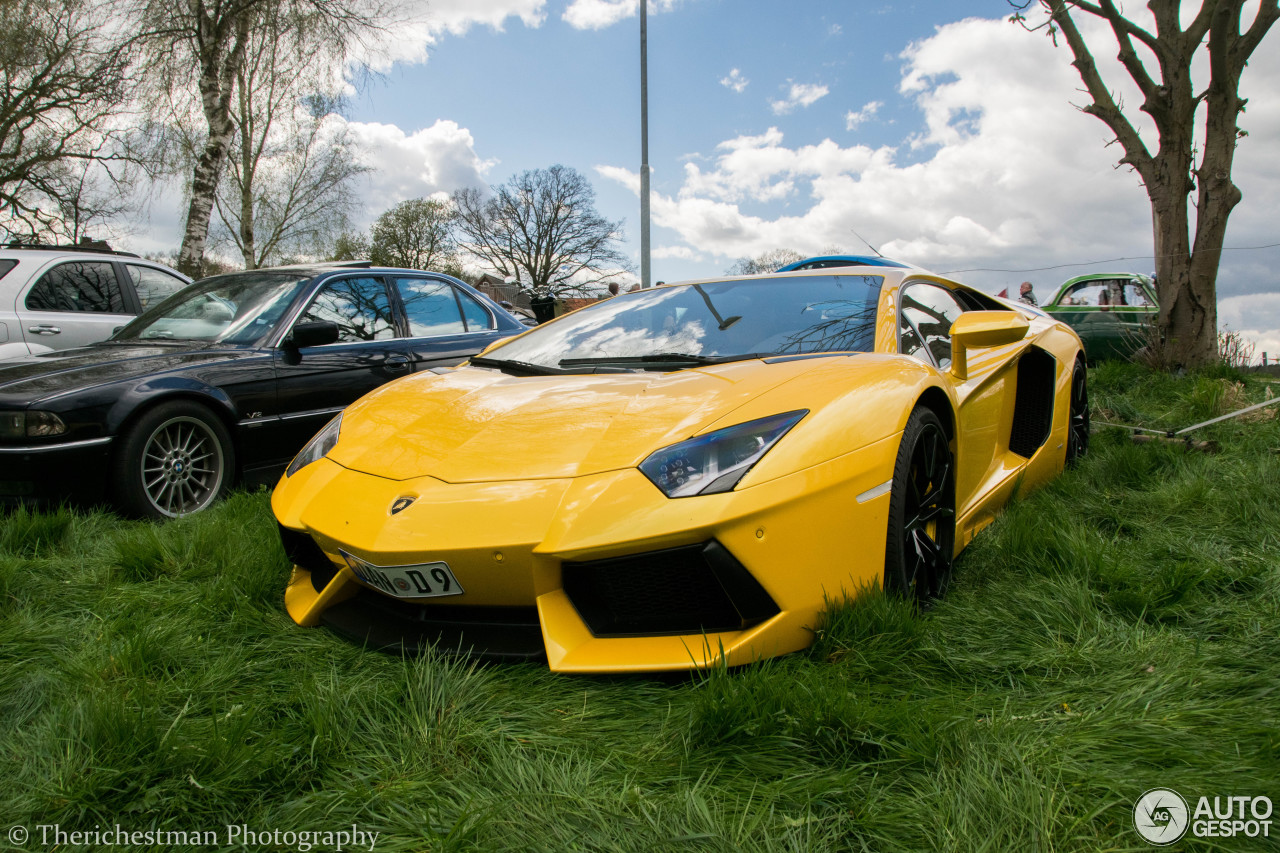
{"type": "Point", "coordinates": [1116, 631]}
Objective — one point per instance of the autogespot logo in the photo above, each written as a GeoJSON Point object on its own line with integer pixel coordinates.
{"type": "Point", "coordinates": [1160, 816]}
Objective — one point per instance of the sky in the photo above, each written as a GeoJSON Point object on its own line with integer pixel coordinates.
{"type": "Point", "coordinates": [937, 132]}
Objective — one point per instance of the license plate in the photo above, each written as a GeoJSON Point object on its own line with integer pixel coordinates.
{"type": "Point", "coordinates": [421, 580]}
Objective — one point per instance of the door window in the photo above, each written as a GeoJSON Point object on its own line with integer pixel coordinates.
{"type": "Point", "coordinates": [358, 306]}
{"type": "Point", "coordinates": [930, 310]}
{"type": "Point", "coordinates": [152, 285]}
{"type": "Point", "coordinates": [430, 307]}
{"type": "Point", "coordinates": [78, 286]}
{"type": "Point", "coordinates": [478, 319]}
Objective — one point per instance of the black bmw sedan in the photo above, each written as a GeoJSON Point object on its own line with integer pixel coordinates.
{"type": "Point", "coordinates": [224, 381]}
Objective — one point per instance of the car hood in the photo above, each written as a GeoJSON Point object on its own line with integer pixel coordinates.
{"type": "Point", "coordinates": [478, 425]}
{"type": "Point", "coordinates": [50, 374]}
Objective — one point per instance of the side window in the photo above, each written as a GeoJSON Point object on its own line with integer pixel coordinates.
{"type": "Point", "coordinates": [930, 310]}
{"type": "Point", "coordinates": [430, 307]}
{"type": "Point", "coordinates": [359, 306]}
{"type": "Point", "coordinates": [152, 285]}
{"type": "Point", "coordinates": [478, 319]}
{"type": "Point", "coordinates": [78, 286]}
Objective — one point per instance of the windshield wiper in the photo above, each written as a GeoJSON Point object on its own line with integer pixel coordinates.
{"type": "Point", "coordinates": [520, 366]}
{"type": "Point", "coordinates": [664, 358]}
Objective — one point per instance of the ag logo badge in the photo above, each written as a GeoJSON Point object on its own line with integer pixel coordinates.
{"type": "Point", "coordinates": [1160, 816]}
{"type": "Point", "coordinates": [401, 504]}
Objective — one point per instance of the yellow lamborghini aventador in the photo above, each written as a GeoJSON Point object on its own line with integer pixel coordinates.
{"type": "Point", "coordinates": [682, 475]}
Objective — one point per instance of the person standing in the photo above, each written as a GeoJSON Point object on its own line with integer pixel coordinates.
{"type": "Point", "coordinates": [1025, 294]}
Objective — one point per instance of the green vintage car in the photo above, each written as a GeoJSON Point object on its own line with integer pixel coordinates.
{"type": "Point", "coordinates": [1112, 312]}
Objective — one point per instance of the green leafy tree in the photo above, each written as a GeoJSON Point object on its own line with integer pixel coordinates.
{"type": "Point", "coordinates": [415, 234]}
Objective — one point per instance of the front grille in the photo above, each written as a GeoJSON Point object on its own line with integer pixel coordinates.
{"type": "Point", "coordinates": [494, 633]}
{"type": "Point", "coordinates": [302, 551]}
{"type": "Point", "coordinates": [1033, 402]}
{"type": "Point", "coordinates": [689, 590]}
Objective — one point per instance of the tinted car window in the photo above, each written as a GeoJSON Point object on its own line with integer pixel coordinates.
{"type": "Point", "coordinates": [78, 286]}
{"type": "Point", "coordinates": [932, 310]}
{"type": "Point", "coordinates": [359, 307]}
{"type": "Point", "coordinates": [152, 285]}
{"type": "Point", "coordinates": [430, 307]}
{"type": "Point", "coordinates": [478, 319]}
{"type": "Point", "coordinates": [5, 266]}
{"type": "Point", "coordinates": [720, 319]}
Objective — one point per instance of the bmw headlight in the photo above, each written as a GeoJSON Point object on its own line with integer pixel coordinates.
{"type": "Point", "coordinates": [317, 448]}
{"type": "Point", "coordinates": [715, 462]}
{"type": "Point", "coordinates": [32, 424]}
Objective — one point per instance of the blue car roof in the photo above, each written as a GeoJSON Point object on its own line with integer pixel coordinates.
{"type": "Point", "coordinates": [823, 261]}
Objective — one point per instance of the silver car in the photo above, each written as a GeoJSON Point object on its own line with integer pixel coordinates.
{"type": "Point", "coordinates": [58, 297]}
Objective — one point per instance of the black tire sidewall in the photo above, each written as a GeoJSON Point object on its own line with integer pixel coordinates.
{"type": "Point", "coordinates": [126, 474]}
{"type": "Point", "coordinates": [895, 580]}
{"type": "Point", "coordinates": [1075, 452]}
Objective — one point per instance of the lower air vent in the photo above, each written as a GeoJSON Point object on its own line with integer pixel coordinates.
{"type": "Point", "coordinates": [690, 590]}
{"type": "Point", "coordinates": [302, 551]}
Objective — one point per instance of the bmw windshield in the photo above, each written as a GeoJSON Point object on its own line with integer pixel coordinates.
{"type": "Point", "coordinates": [240, 308]}
{"type": "Point", "coordinates": [707, 323]}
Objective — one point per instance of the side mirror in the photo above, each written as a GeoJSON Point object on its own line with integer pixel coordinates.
{"type": "Point", "coordinates": [312, 334]}
{"type": "Point", "coordinates": [976, 329]}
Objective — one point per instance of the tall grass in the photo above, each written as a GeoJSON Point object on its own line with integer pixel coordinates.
{"type": "Point", "coordinates": [1116, 631]}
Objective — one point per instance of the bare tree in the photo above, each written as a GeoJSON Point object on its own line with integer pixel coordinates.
{"type": "Point", "coordinates": [1189, 159]}
{"type": "Point", "coordinates": [290, 165]}
{"type": "Point", "coordinates": [541, 228]}
{"type": "Point", "coordinates": [64, 79]}
{"type": "Point", "coordinates": [204, 45]}
{"type": "Point", "coordinates": [417, 234]}
{"type": "Point", "coordinates": [763, 263]}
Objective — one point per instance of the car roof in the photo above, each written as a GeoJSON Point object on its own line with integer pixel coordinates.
{"type": "Point", "coordinates": [843, 261]}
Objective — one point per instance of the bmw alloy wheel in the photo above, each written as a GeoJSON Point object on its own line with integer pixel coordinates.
{"type": "Point", "coordinates": [183, 466]}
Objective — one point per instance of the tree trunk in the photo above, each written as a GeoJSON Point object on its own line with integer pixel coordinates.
{"type": "Point", "coordinates": [218, 72]}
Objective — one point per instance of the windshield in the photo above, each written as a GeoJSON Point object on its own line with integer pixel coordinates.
{"type": "Point", "coordinates": [240, 308]}
{"type": "Point", "coordinates": [708, 322]}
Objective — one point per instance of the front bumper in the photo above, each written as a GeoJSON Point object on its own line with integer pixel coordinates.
{"type": "Point", "coordinates": [75, 471]}
{"type": "Point", "coordinates": [535, 552]}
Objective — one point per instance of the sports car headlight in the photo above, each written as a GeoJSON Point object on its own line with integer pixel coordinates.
{"type": "Point", "coordinates": [317, 448]}
{"type": "Point", "coordinates": [715, 462]}
{"type": "Point", "coordinates": [30, 424]}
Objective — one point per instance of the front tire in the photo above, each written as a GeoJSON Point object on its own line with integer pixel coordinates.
{"type": "Point", "coordinates": [175, 460]}
{"type": "Point", "coordinates": [921, 539]}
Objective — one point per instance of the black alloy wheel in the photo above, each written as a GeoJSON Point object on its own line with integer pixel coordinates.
{"type": "Point", "coordinates": [1078, 426]}
{"type": "Point", "coordinates": [175, 460]}
{"type": "Point", "coordinates": [920, 545]}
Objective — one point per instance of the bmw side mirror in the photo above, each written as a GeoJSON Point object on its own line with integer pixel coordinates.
{"type": "Point", "coordinates": [315, 334]}
{"type": "Point", "coordinates": [976, 329]}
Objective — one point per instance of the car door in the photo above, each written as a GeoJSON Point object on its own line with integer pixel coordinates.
{"type": "Point", "coordinates": [446, 325]}
{"type": "Point", "coordinates": [315, 383]}
{"type": "Point", "coordinates": [72, 304]}
{"type": "Point", "coordinates": [926, 312]}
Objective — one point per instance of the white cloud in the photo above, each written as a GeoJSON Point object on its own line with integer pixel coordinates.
{"type": "Point", "coordinates": [800, 95]}
{"type": "Point", "coordinates": [1003, 179]}
{"type": "Point", "coordinates": [853, 118]}
{"type": "Point", "coordinates": [735, 81]}
{"type": "Point", "coordinates": [422, 24]}
{"type": "Point", "coordinates": [683, 253]}
{"type": "Point", "coordinates": [835, 30]}
{"type": "Point", "coordinates": [434, 161]}
{"type": "Point", "coordinates": [598, 14]}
